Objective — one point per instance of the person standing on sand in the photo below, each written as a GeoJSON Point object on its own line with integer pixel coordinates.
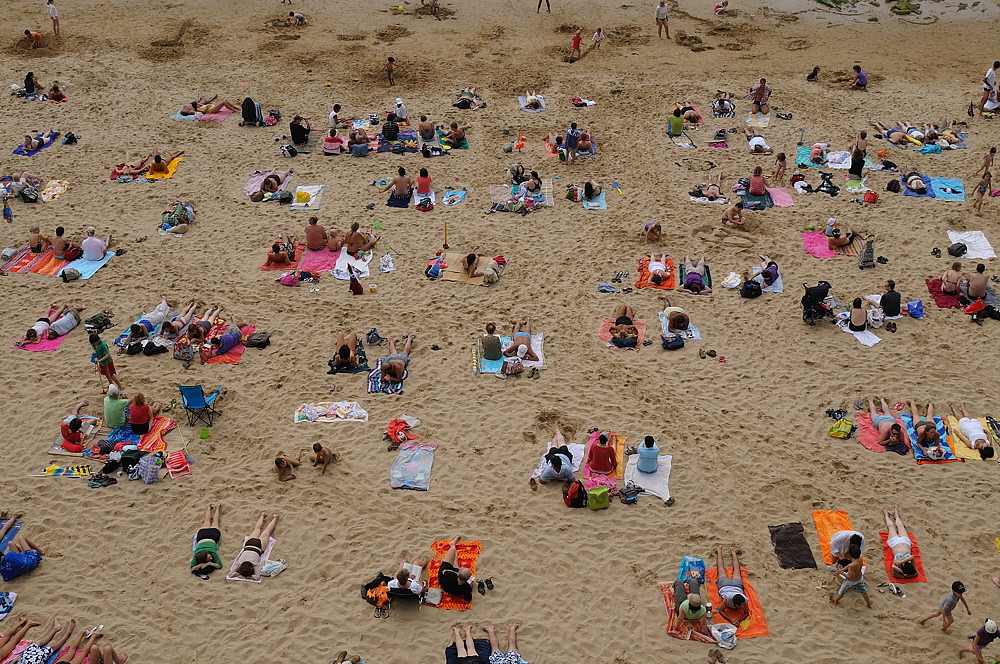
{"type": "Point", "coordinates": [983, 637]}
{"type": "Point", "coordinates": [854, 579]}
{"type": "Point", "coordinates": [662, 15]}
{"type": "Point", "coordinates": [54, 15]}
{"type": "Point", "coordinates": [989, 85]}
{"type": "Point", "coordinates": [548, 7]}
{"type": "Point", "coordinates": [947, 605]}
{"type": "Point", "coordinates": [575, 46]}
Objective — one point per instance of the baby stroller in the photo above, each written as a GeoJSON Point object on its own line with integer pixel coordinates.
{"type": "Point", "coordinates": [867, 256]}
{"type": "Point", "coordinates": [252, 116]}
{"type": "Point", "coordinates": [814, 307]}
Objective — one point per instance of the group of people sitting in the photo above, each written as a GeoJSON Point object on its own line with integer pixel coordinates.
{"type": "Point", "coordinates": [91, 248]}
{"type": "Point", "coordinates": [602, 458]}
{"type": "Point", "coordinates": [32, 89]}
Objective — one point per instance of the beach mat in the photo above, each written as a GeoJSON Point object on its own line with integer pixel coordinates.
{"type": "Point", "coordinates": [643, 280]}
{"type": "Point", "coordinates": [829, 522]}
{"type": "Point", "coordinates": [464, 145]}
{"type": "Point", "coordinates": [791, 546]}
{"type": "Point", "coordinates": [87, 268]}
{"type": "Point", "coordinates": [599, 202]}
{"type": "Point", "coordinates": [455, 272]}
{"type": "Point", "coordinates": [300, 250]}
{"type": "Point", "coordinates": [592, 479]}
{"type": "Point", "coordinates": [685, 633]}
{"type": "Point", "coordinates": [468, 553]}
{"type": "Point", "coordinates": [604, 332]}
{"type": "Point", "coordinates": [315, 192]}
{"type": "Point", "coordinates": [755, 203]}
{"type": "Point", "coordinates": [887, 558]}
{"type": "Point", "coordinates": [755, 625]}
{"type": "Point", "coordinates": [977, 246]}
{"type": "Point", "coordinates": [941, 299]}
{"type": "Point", "coordinates": [758, 120]}
{"type": "Point", "coordinates": [412, 467]}
{"type": "Point", "coordinates": [653, 484]}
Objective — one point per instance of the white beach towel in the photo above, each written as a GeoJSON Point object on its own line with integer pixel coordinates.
{"type": "Point", "coordinates": [576, 449]}
{"type": "Point", "coordinates": [315, 192]}
{"type": "Point", "coordinates": [866, 338]}
{"type": "Point", "coordinates": [345, 260]}
{"type": "Point", "coordinates": [690, 334]}
{"type": "Point", "coordinates": [233, 576]}
{"type": "Point", "coordinates": [979, 246]}
{"type": "Point", "coordinates": [654, 484]}
{"type": "Point", "coordinates": [537, 341]}
{"type": "Point", "coordinates": [419, 197]}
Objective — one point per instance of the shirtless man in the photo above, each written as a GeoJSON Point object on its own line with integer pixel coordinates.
{"type": "Point", "coordinates": [323, 457]}
{"type": "Point", "coordinates": [316, 237]}
{"type": "Point", "coordinates": [401, 185]}
{"type": "Point", "coordinates": [657, 269]}
{"type": "Point", "coordinates": [36, 241]}
{"type": "Point", "coordinates": [759, 95]}
{"type": "Point", "coordinates": [951, 278]}
{"type": "Point", "coordinates": [713, 190]}
{"type": "Point", "coordinates": [733, 217]}
{"type": "Point", "coordinates": [895, 134]}
{"type": "Point", "coordinates": [355, 241]}
{"type": "Point", "coordinates": [521, 338]}
{"type": "Point", "coordinates": [159, 165]}
{"type": "Point", "coordinates": [455, 135]}
{"type": "Point", "coordinates": [346, 357]}
{"type": "Point", "coordinates": [470, 263]}
{"type": "Point", "coordinates": [889, 431]}
{"type": "Point", "coordinates": [987, 162]}
{"type": "Point", "coordinates": [285, 466]}
{"type": "Point", "coordinates": [426, 129]}
{"type": "Point", "coordinates": [978, 281]}
{"type": "Point", "coordinates": [970, 431]}
{"type": "Point", "coordinates": [395, 364]}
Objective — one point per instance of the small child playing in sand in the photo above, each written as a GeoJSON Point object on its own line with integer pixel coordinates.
{"type": "Point", "coordinates": [779, 169]}
{"type": "Point", "coordinates": [323, 456]}
{"type": "Point", "coordinates": [575, 48]}
{"type": "Point", "coordinates": [720, 7]}
{"type": "Point", "coordinates": [298, 19]}
{"type": "Point", "coordinates": [598, 38]}
{"type": "Point", "coordinates": [813, 76]}
{"type": "Point", "coordinates": [389, 67]}
{"type": "Point", "coordinates": [947, 605]}
{"type": "Point", "coordinates": [854, 578]}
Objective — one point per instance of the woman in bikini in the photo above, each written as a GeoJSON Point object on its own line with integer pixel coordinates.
{"type": "Point", "coordinates": [984, 186]}
{"type": "Point", "coordinates": [247, 564]}
{"type": "Point", "coordinates": [531, 186]}
{"type": "Point", "coordinates": [130, 166]}
{"type": "Point", "coordinates": [952, 278]}
{"type": "Point", "coordinates": [207, 107]}
{"type": "Point", "coordinates": [689, 112]}
{"type": "Point", "coordinates": [858, 322]}
{"type": "Point", "coordinates": [40, 142]}
{"type": "Point", "coordinates": [531, 100]}
{"type": "Point", "coordinates": [901, 545]}
{"type": "Point", "coordinates": [171, 329]}
{"type": "Point", "coordinates": [346, 357]}
{"type": "Point", "coordinates": [198, 329]}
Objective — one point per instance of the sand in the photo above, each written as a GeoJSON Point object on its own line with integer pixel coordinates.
{"type": "Point", "coordinates": [748, 437]}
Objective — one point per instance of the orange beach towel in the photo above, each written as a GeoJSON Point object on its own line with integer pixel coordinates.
{"type": "Point", "coordinates": [756, 623]}
{"type": "Point", "coordinates": [605, 332]}
{"type": "Point", "coordinates": [827, 523]}
{"type": "Point", "coordinates": [468, 553]}
{"type": "Point", "coordinates": [887, 558]}
{"type": "Point", "coordinates": [685, 632]}
{"type": "Point", "coordinates": [643, 281]}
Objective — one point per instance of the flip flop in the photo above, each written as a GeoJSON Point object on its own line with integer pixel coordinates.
{"type": "Point", "coordinates": [711, 353]}
{"type": "Point", "coordinates": [96, 629]}
{"type": "Point", "coordinates": [859, 403]}
{"type": "Point", "coordinates": [898, 406]}
{"type": "Point", "coordinates": [722, 359]}
{"type": "Point", "coordinates": [489, 583]}
{"type": "Point", "coordinates": [701, 353]}
{"type": "Point", "coordinates": [481, 587]}
{"type": "Point", "coordinates": [533, 484]}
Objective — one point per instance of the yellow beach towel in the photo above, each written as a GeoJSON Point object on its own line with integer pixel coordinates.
{"type": "Point", "coordinates": [53, 190]}
{"type": "Point", "coordinates": [171, 167]}
{"type": "Point", "coordinates": [958, 446]}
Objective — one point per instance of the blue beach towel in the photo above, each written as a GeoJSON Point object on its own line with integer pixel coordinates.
{"type": "Point", "coordinates": [909, 192]}
{"type": "Point", "coordinates": [752, 202]}
{"type": "Point", "coordinates": [929, 149]}
{"type": "Point", "coordinates": [412, 467]}
{"type": "Point", "coordinates": [802, 157]}
{"type": "Point", "coordinates": [11, 534]}
{"type": "Point", "coordinates": [954, 184]}
{"type": "Point", "coordinates": [14, 564]}
{"type": "Point", "coordinates": [88, 268]}
{"type": "Point", "coordinates": [912, 434]}
{"type": "Point", "coordinates": [178, 116]}
{"type": "Point", "coordinates": [493, 366]}
{"type": "Point", "coordinates": [19, 150]}
{"type": "Point", "coordinates": [597, 203]}
{"type": "Point", "coordinates": [454, 196]}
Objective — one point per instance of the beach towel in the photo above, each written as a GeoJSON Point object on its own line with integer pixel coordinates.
{"type": "Point", "coordinates": [829, 523]}
{"type": "Point", "coordinates": [315, 193]}
{"type": "Point", "coordinates": [692, 333]}
{"type": "Point", "coordinates": [19, 150]}
{"type": "Point", "coordinates": [976, 242]}
{"type": "Point", "coordinates": [346, 262]}
{"type": "Point", "coordinates": [377, 385]}
{"type": "Point", "coordinates": [918, 455]}
{"type": "Point", "coordinates": [864, 337]}
{"type": "Point", "coordinates": [313, 138]}
{"type": "Point", "coordinates": [446, 144]}
{"type": "Point", "coordinates": [868, 436]}
{"type": "Point", "coordinates": [755, 624]}
{"type": "Point", "coordinates": [604, 332]}
{"type": "Point", "coordinates": [685, 632]}
{"type": "Point", "coordinates": [214, 117]}
{"type": "Point", "coordinates": [856, 186]}
{"type": "Point", "coordinates": [323, 260]}
{"type": "Point", "coordinates": [802, 156]}
{"type": "Point", "coordinates": [151, 442]}
{"type": "Point", "coordinates": [543, 197]}
{"type": "Point", "coordinates": [54, 470]}
{"type": "Point", "coordinates": [909, 192]}
{"type": "Point", "coordinates": [653, 484]}
{"type": "Point", "coordinates": [21, 258]}
{"type": "Point", "coordinates": [991, 298]}
{"type": "Point", "coordinates": [87, 268]}
{"type": "Point", "coordinates": [412, 467]}
{"type": "Point", "coordinates": [948, 189]}
{"type": "Point", "coordinates": [171, 169]}
{"type": "Point", "coordinates": [416, 198]}
{"type": "Point", "coordinates": [887, 558]}
{"type": "Point", "coordinates": [300, 250]}
{"type": "Point", "coordinates": [53, 190]}
{"type": "Point", "coordinates": [359, 351]}
{"type": "Point", "coordinates": [406, 139]}
{"type": "Point", "coordinates": [758, 120]}
{"type": "Point", "coordinates": [10, 535]}
{"type": "Point", "coordinates": [46, 263]}
{"type": "Point", "coordinates": [179, 116]}
{"type": "Point", "coordinates": [703, 199]}
{"type": "Point", "coordinates": [454, 196]}
{"type": "Point", "coordinates": [683, 141]}
{"type": "Point", "coordinates": [522, 102]}
{"type": "Point", "coordinates": [483, 649]}
{"type": "Point", "coordinates": [643, 280]}
{"type": "Point", "coordinates": [575, 449]}
{"type": "Point", "coordinates": [941, 299]}
{"type": "Point", "coordinates": [958, 446]}
{"type": "Point", "coordinates": [252, 185]}
{"type": "Point", "coordinates": [234, 354]}
{"type": "Point", "coordinates": [780, 197]}
{"type": "Point", "coordinates": [791, 546]}
{"type": "Point", "coordinates": [599, 202]}
{"type": "Point", "coordinates": [467, 554]}
{"type": "Point", "coordinates": [328, 411]}
{"type": "Point", "coordinates": [707, 280]}
{"type": "Point", "coordinates": [838, 159]}
{"type": "Point", "coordinates": [264, 557]}
{"type": "Point", "coordinates": [592, 479]}
{"type": "Point", "coordinates": [453, 270]}
{"type": "Point", "coordinates": [754, 202]}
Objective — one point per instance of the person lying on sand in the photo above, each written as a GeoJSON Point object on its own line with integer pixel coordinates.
{"type": "Point", "coordinates": [531, 100]}
{"type": "Point", "coordinates": [355, 241]}
{"type": "Point", "coordinates": [277, 256]}
{"type": "Point", "coordinates": [470, 263]}
{"type": "Point", "coordinates": [40, 651]}
{"type": "Point", "coordinates": [205, 557]}
{"type": "Point", "coordinates": [200, 326]}
{"type": "Point", "coordinates": [131, 165]}
{"type": "Point", "coordinates": [624, 333]}
{"type": "Point", "coordinates": [22, 555]}
{"type": "Point", "coordinates": [56, 93]}
{"type": "Point", "coordinates": [272, 183]}
{"type": "Point", "coordinates": [767, 271]}
{"type": "Point", "coordinates": [558, 462]}
{"type": "Point", "coordinates": [40, 330]}
{"type": "Point", "coordinates": [146, 324]}
{"type": "Point", "coordinates": [688, 112]}
{"type": "Point", "coordinates": [835, 237]}
{"type": "Point", "coordinates": [694, 277]}
{"type": "Point", "coordinates": [223, 343]}
{"type": "Point", "coordinates": [970, 431]}
{"type": "Point", "coordinates": [657, 269]}
{"type": "Point", "coordinates": [520, 335]}
{"type": "Point", "coordinates": [37, 143]}
{"type": "Point", "coordinates": [323, 456]}
{"type": "Point", "coordinates": [396, 363]}
{"type": "Point", "coordinates": [159, 165]}
{"type": "Point", "coordinates": [895, 134]}
{"type": "Point", "coordinates": [901, 545]}
{"type": "Point", "coordinates": [345, 356]}
{"type": "Point", "coordinates": [889, 431]}
{"type": "Point", "coordinates": [730, 588]}
{"type": "Point", "coordinates": [207, 107]}
{"type": "Point", "coordinates": [711, 188]}
{"type": "Point", "coordinates": [171, 328]}
{"type": "Point", "coordinates": [756, 142]}
{"type": "Point", "coordinates": [677, 318]}
{"type": "Point", "coordinates": [285, 466]}
{"type": "Point", "coordinates": [248, 562]}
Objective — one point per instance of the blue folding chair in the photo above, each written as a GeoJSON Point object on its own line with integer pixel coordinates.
{"type": "Point", "coordinates": [197, 405]}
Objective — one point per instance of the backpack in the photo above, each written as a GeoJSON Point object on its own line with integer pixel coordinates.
{"type": "Point", "coordinates": [894, 186]}
{"type": "Point", "coordinates": [958, 249]}
{"type": "Point", "coordinates": [574, 193]}
{"type": "Point", "coordinates": [516, 174]}
{"type": "Point", "coordinates": [183, 351]}
{"type": "Point", "coordinates": [359, 150]}
{"type": "Point", "coordinates": [673, 342]}
{"type": "Point", "coordinates": [598, 498]}
{"type": "Point", "coordinates": [515, 205]}
{"type": "Point", "coordinates": [71, 274]}
{"type": "Point", "coordinates": [28, 194]}
{"type": "Point", "coordinates": [97, 322]}
{"type": "Point", "coordinates": [424, 205]}
{"type": "Point", "coordinates": [751, 289]}
{"type": "Point", "coordinates": [288, 150]}
{"type": "Point", "coordinates": [871, 197]}
{"type": "Point", "coordinates": [150, 348]}
{"type": "Point", "coordinates": [576, 495]}
{"type": "Point", "coordinates": [258, 340]}
{"type": "Point", "coordinates": [70, 139]}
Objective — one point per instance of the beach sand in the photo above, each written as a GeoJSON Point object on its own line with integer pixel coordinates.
{"type": "Point", "coordinates": [748, 437]}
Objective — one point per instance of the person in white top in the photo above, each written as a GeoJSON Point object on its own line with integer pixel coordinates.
{"type": "Point", "coordinates": [54, 15]}
{"type": "Point", "coordinates": [400, 112]}
{"type": "Point", "coordinates": [405, 580]}
{"type": "Point", "coordinates": [970, 430]}
{"type": "Point", "coordinates": [989, 85]}
{"type": "Point", "coordinates": [94, 248]}
{"type": "Point", "coordinates": [658, 269]}
{"type": "Point", "coordinates": [662, 15]}
{"type": "Point", "coordinates": [842, 541]}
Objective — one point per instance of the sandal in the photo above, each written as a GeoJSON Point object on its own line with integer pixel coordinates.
{"type": "Point", "coordinates": [701, 353]}
{"type": "Point", "coordinates": [859, 403]}
{"type": "Point", "coordinates": [711, 353]}
{"type": "Point", "coordinates": [935, 252]}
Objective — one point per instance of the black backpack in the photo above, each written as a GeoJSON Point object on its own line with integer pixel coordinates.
{"type": "Point", "coordinates": [259, 340]}
{"type": "Point", "coordinates": [28, 194]}
{"type": "Point", "coordinates": [97, 323]}
{"type": "Point", "coordinates": [750, 289]}
{"type": "Point", "coordinates": [150, 348]}
{"type": "Point", "coordinates": [893, 186]}
{"type": "Point", "coordinates": [576, 495]}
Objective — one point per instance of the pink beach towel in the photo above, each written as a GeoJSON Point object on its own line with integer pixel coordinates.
{"type": "Point", "coordinates": [216, 117]}
{"type": "Point", "coordinates": [252, 185]}
{"type": "Point", "coordinates": [781, 197]}
{"type": "Point", "coordinates": [814, 243]}
{"type": "Point", "coordinates": [45, 344]}
{"type": "Point", "coordinates": [592, 479]}
{"type": "Point", "coordinates": [323, 260]}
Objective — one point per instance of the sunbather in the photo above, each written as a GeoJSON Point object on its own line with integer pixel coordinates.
{"type": "Point", "coordinates": [677, 318]}
{"type": "Point", "coordinates": [470, 263]}
{"type": "Point", "coordinates": [277, 256]}
{"type": "Point", "coordinates": [733, 216]}
{"type": "Point", "coordinates": [889, 431]}
{"type": "Point", "coordinates": [694, 277]}
{"type": "Point", "coordinates": [56, 92]}
{"type": "Point", "coordinates": [12, 637]}
{"type": "Point", "coordinates": [453, 579]}
{"type": "Point", "coordinates": [37, 143]}
{"type": "Point", "coordinates": [928, 439]}
{"type": "Point", "coordinates": [31, 84]}
{"type": "Point", "coordinates": [658, 269]}
{"type": "Point", "coordinates": [558, 462]}
{"type": "Point", "coordinates": [40, 651]}
{"type": "Point", "coordinates": [199, 328]}
{"type": "Point", "coordinates": [159, 165]}
{"type": "Point", "coordinates": [970, 431]}
{"type": "Point", "coordinates": [426, 129]}
{"type": "Point", "coordinates": [299, 129]}
{"type": "Point", "coordinates": [689, 112]}
{"type": "Point", "coordinates": [205, 557]}
{"type": "Point", "coordinates": [76, 653]}
{"type": "Point", "coordinates": [394, 365]}
{"type": "Point", "coordinates": [62, 247]}
{"type": "Point", "coordinates": [532, 186]}
{"type": "Point", "coordinates": [207, 106]}
{"type": "Point", "coordinates": [455, 135]}
{"type": "Point", "coordinates": [489, 343]}
{"type": "Point", "coordinates": [248, 562]}
{"type": "Point", "coordinates": [531, 100]}
{"type": "Point", "coordinates": [498, 656]}
{"type": "Point", "coordinates": [835, 237]}
{"type": "Point", "coordinates": [355, 241]}
{"type": "Point", "coordinates": [951, 279]}
{"type": "Point", "coordinates": [689, 608]}
{"type": "Point", "coordinates": [131, 165]}
{"type": "Point", "coordinates": [147, 323]}
{"type": "Point", "coordinates": [345, 356]}
{"type": "Point", "coordinates": [520, 335]}
{"type": "Point", "coordinates": [756, 142]}
{"type": "Point", "coordinates": [730, 587]}
{"type": "Point", "coordinates": [899, 542]}
{"type": "Point", "coordinates": [22, 555]}
{"type": "Point", "coordinates": [222, 344]}
{"type": "Point", "coordinates": [652, 233]}
{"type": "Point", "coordinates": [39, 330]}
{"type": "Point", "coordinates": [711, 188]}
{"type": "Point", "coordinates": [591, 190]}
{"type": "Point", "coordinates": [274, 181]}
{"type": "Point", "coordinates": [466, 648]}
{"type": "Point", "coordinates": [624, 333]}
{"type": "Point", "coordinates": [896, 134]}
{"type": "Point", "coordinates": [171, 328]}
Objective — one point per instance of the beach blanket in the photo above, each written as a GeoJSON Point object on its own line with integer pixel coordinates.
{"type": "Point", "coordinates": [151, 442]}
{"type": "Point", "coordinates": [19, 150]}
{"type": "Point", "coordinates": [467, 554]}
{"type": "Point", "coordinates": [454, 196]}
{"type": "Point", "coordinates": [814, 243]}
{"type": "Point", "coordinates": [978, 245]}
{"type": "Point", "coordinates": [653, 484]}
{"type": "Point", "coordinates": [599, 202]}
{"type": "Point", "coordinates": [949, 457]}
{"type": "Point", "coordinates": [909, 192]}
{"type": "Point", "coordinates": [446, 144]}
{"type": "Point", "coordinates": [483, 649]}
{"type": "Point", "coordinates": [604, 332]}
{"type": "Point", "coordinates": [948, 189]}
{"type": "Point", "coordinates": [643, 280]}
{"type": "Point", "coordinates": [346, 262]}
{"type": "Point", "coordinates": [758, 120]}
{"type": "Point", "coordinates": [10, 535]}
{"type": "Point", "coordinates": [522, 102]}
{"type": "Point", "coordinates": [323, 260]}
{"type": "Point", "coordinates": [941, 299]}
{"type": "Point", "coordinates": [252, 185]}
{"type": "Point", "coordinates": [264, 557]}
{"type": "Point", "coordinates": [329, 411]}
{"type": "Point", "coordinates": [887, 558]}
{"type": "Point", "coordinates": [827, 524]}
{"type": "Point", "coordinates": [802, 155]}
{"type": "Point", "coordinates": [87, 268]}
{"type": "Point", "coordinates": [44, 263]}
{"type": "Point", "coordinates": [576, 449]}
{"type": "Point", "coordinates": [300, 250]}
{"type": "Point", "coordinates": [754, 202]}
{"type": "Point", "coordinates": [214, 117]}
{"type": "Point", "coordinates": [692, 333]}
{"type": "Point", "coordinates": [453, 270]}
{"type": "Point", "coordinates": [407, 139]}
{"type": "Point", "coordinates": [234, 354]}
{"type": "Point", "coordinates": [543, 197]}
{"type": "Point", "coordinates": [780, 197]}
{"type": "Point", "coordinates": [958, 446]}
{"type": "Point", "coordinates": [377, 385]}
{"type": "Point", "coordinates": [44, 344]}
{"type": "Point", "coordinates": [54, 470]}
{"type": "Point", "coordinates": [412, 467]}
{"type": "Point", "coordinates": [53, 190]}
{"type": "Point", "coordinates": [864, 337]}
{"type": "Point", "coordinates": [313, 138]}
{"type": "Point", "coordinates": [685, 632]}
{"type": "Point", "coordinates": [838, 159]}
{"type": "Point", "coordinates": [791, 546]}
{"type": "Point", "coordinates": [315, 193]}
{"type": "Point", "coordinates": [592, 479]}
{"type": "Point", "coordinates": [683, 141]}
{"type": "Point", "coordinates": [755, 624]}
{"type": "Point", "coordinates": [707, 278]}
{"type": "Point", "coordinates": [171, 169]}
{"type": "Point", "coordinates": [868, 437]}
{"type": "Point", "coordinates": [21, 258]}
{"type": "Point", "coordinates": [359, 351]}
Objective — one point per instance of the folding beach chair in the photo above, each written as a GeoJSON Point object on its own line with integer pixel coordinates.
{"type": "Point", "coordinates": [177, 464]}
{"type": "Point", "coordinates": [197, 405]}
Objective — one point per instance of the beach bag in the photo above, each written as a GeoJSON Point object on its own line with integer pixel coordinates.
{"type": "Point", "coordinates": [575, 495]}
{"type": "Point", "coordinates": [424, 205]}
{"type": "Point", "coordinates": [840, 429]}
{"type": "Point", "coordinates": [183, 351]}
{"type": "Point", "coordinates": [673, 342]}
{"type": "Point", "coordinates": [629, 495]}
{"type": "Point", "coordinates": [598, 498]}
{"type": "Point", "coordinates": [70, 273]}
{"type": "Point", "coordinates": [28, 194]}
{"type": "Point", "coordinates": [150, 348]}
{"type": "Point", "coordinates": [958, 249]}
{"type": "Point", "coordinates": [288, 150]}
{"type": "Point", "coordinates": [751, 289]}
{"type": "Point", "coordinates": [258, 340]}
{"type": "Point", "coordinates": [72, 254]}
{"type": "Point", "coordinates": [359, 150]}
{"type": "Point", "coordinates": [149, 467]}
{"type": "Point", "coordinates": [875, 318]}
{"type": "Point", "coordinates": [574, 193]}
{"type": "Point", "coordinates": [915, 308]}
{"type": "Point", "coordinates": [692, 569]}
{"type": "Point", "coordinates": [70, 139]}
{"type": "Point", "coordinates": [511, 366]}
{"type": "Point", "coordinates": [871, 197]}
{"type": "Point", "coordinates": [724, 635]}
{"type": "Point", "coordinates": [97, 322]}
{"type": "Point", "coordinates": [515, 205]}
{"type": "Point", "coordinates": [355, 285]}
{"type": "Point", "coordinates": [290, 279]}
{"type": "Point", "coordinates": [893, 186]}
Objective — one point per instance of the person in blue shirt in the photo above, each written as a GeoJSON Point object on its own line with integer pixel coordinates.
{"type": "Point", "coordinates": [649, 453]}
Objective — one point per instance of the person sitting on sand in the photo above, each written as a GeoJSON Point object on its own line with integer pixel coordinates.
{"type": "Point", "coordinates": [346, 356]}
{"type": "Point", "coordinates": [394, 367]}
{"type": "Point", "coordinates": [889, 431]}
{"type": "Point", "coordinates": [652, 233]}
{"type": "Point", "coordinates": [601, 457]}
{"type": "Point", "coordinates": [205, 557]}
{"type": "Point", "coordinates": [757, 183]}
{"type": "Point", "coordinates": [56, 93]}
{"type": "Point", "coordinates": [22, 555]}
{"type": "Point", "coordinates": [658, 269]}
{"type": "Point", "coordinates": [285, 466]}
{"type": "Point", "coordinates": [299, 129]}
{"type": "Point", "coordinates": [316, 237]}
{"type": "Point", "coordinates": [453, 579]}
{"type": "Point", "coordinates": [860, 81]}
{"type": "Point", "coordinates": [80, 649]}
{"type": "Point", "coordinates": [94, 248]}
{"type": "Point", "coordinates": [62, 245]}
{"type": "Point", "coordinates": [983, 637]}
{"type": "Point", "coordinates": [277, 256]}
{"type": "Point", "coordinates": [530, 187]}
{"type": "Point", "coordinates": [733, 216]}
{"type": "Point", "coordinates": [730, 588]}
{"type": "Point", "coordinates": [558, 465]}
{"type": "Point", "coordinates": [694, 277]}
{"type": "Point", "coordinates": [455, 135]}
{"type": "Point", "coordinates": [624, 333]}
{"type": "Point", "coordinates": [225, 342]}
{"type": "Point", "coordinates": [34, 37]}
{"type": "Point", "coordinates": [649, 456]}
{"type": "Point", "coordinates": [951, 279]}
{"type": "Point", "coordinates": [813, 76]}
{"type": "Point", "coordinates": [675, 123]}
{"type": "Point", "coordinates": [38, 242]}
{"type": "Point", "coordinates": [141, 414]}
{"type": "Point", "coordinates": [70, 428]}
{"type": "Point", "coordinates": [426, 129]}
{"type": "Point", "coordinates": [758, 96]}
{"type": "Point", "coordinates": [355, 241]}
{"type": "Point", "coordinates": [970, 431]}
{"type": "Point", "coordinates": [333, 144]}
{"type": "Point", "coordinates": [520, 335]}
{"type": "Point", "coordinates": [928, 439]}
{"type": "Point", "coordinates": [688, 607]}
{"type": "Point", "coordinates": [31, 84]}
{"type": "Point", "coordinates": [115, 405]}
{"type": "Point", "coordinates": [390, 128]}
{"type": "Point", "coordinates": [13, 637]}
{"type": "Point", "coordinates": [857, 320]}
{"type": "Point", "coordinates": [247, 564]}
{"type": "Point", "coordinates": [489, 343]}
{"type": "Point", "coordinates": [159, 165]}
{"type": "Point", "coordinates": [677, 318]}
{"type": "Point", "coordinates": [401, 186]}
{"type": "Point", "coordinates": [206, 106]}
{"type": "Point", "coordinates": [903, 562]}
{"type": "Point", "coordinates": [40, 142]}
{"type": "Point", "coordinates": [323, 456]}
{"type": "Point", "coordinates": [298, 20]}
{"type": "Point", "coordinates": [756, 142]}
{"type": "Point", "coordinates": [146, 324]}
{"type": "Point", "coordinates": [531, 100]}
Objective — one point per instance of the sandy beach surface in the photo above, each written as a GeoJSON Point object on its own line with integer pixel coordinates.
{"type": "Point", "coordinates": [748, 436]}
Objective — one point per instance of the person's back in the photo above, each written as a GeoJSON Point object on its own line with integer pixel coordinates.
{"type": "Point", "coordinates": [572, 138]}
{"type": "Point", "coordinates": [602, 458]}
{"type": "Point", "coordinates": [676, 125]}
{"type": "Point", "coordinates": [114, 411]}
{"type": "Point", "coordinates": [229, 340]}
{"type": "Point", "coordinates": [890, 303]}
{"type": "Point", "coordinates": [423, 184]}
{"type": "Point", "coordinates": [299, 132]}
{"type": "Point", "coordinates": [390, 130]}
{"type": "Point", "coordinates": [648, 458]}
{"type": "Point", "coordinates": [757, 185]}
{"type": "Point", "coordinates": [978, 281]}
{"type": "Point", "coordinates": [315, 237]}
{"type": "Point", "coordinates": [93, 248]}
{"type": "Point", "coordinates": [491, 347]}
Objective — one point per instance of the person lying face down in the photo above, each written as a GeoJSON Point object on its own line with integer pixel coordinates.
{"type": "Point", "coordinates": [520, 345]}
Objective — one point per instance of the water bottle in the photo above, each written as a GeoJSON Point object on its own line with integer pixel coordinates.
{"type": "Point", "coordinates": [708, 612]}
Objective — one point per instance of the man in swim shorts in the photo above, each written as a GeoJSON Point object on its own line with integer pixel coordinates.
{"type": "Point", "coordinates": [730, 588]}
{"type": "Point", "coordinates": [394, 367]}
{"type": "Point", "coordinates": [889, 431]}
{"type": "Point", "coordinates": [521, 338]}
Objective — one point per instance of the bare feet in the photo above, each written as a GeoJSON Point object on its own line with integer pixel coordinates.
{"type": "Point", "coordinates": [737, 550]}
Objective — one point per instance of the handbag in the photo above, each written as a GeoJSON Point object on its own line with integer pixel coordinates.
{"type": "Point", "coordinates": [511, 366]}
{"type": "Point", "coordinates": [915, 308]}
{"type": "Point", "coordinates": [958, 249]}
{"type": "Point", "coordinates": [841, 428]}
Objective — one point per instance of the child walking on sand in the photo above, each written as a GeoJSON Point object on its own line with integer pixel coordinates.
{"type": "Point", "coordinates": [779, 169]}
{"type": "Point", "coordinates": [983, 637]}
{"type": "Point", "coordinates": [947, 605]}
{"type": "Point", "coordinates": [853, 578]}
{"type": "Point", "coordinates": [598, 38]}
{"type": "Point", "coordinates": [981, 189]}
{"type": "Point", "coordinates": [575, 48]}
{"type": "Point", "coordinates": [389, 67]}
